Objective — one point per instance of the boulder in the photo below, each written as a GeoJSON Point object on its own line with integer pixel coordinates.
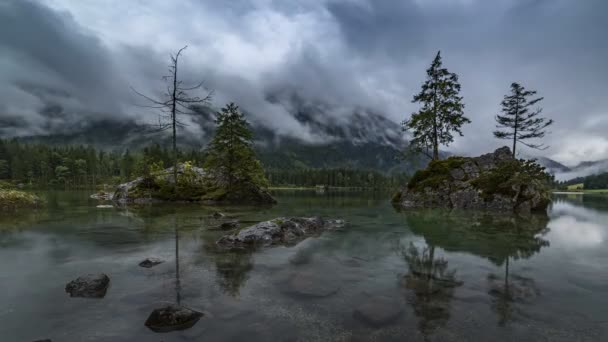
{"type": "Point", "coordinates": [493, 181]}
{"type": "Point", "coordinates": [217, 215]}
{"type": "Point", "coordinates": [102, 196]}
{"type": "Point", "coordinates": [230, 225]}
{"type": "Point", "coordinates": [151, 262]}
{"type": "Point", "coordinates": [279, 231]}
{"type": "Point", "coordinates": [379, 311]}
{"type": "Point", "coordinates": [89, 286]}
{"type": "Point", "coordinates": [194, 185]}
{"type": "Point", "coordinates": [171, 318]}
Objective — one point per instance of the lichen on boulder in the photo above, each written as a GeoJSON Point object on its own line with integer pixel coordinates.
{"type": "Point", "coordinates": [493, 181]}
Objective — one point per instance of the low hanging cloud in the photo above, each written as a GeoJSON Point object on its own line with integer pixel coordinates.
{"type": "Point", "coordinates": [65, 63]}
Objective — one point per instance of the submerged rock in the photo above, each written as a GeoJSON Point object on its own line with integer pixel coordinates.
{"type": "Point", "coordinates": [89, 286]}
{"type": "Point", "coordinates": [151, 262]}
{"type": "Point", "coordinates": [311, 284]}
{"type": "Point", "coordinates": [171, 318]}
{"type": "Point", "coordinates": [279, 231]}
{"type": "Point", "coordinates": [217, 215]}
{"type": "Point", "coordinates": [230, 225]}
{"type": "Point", "coordinates": [493, 181]}
{"type": "Point", "coordinates": [379, 311]}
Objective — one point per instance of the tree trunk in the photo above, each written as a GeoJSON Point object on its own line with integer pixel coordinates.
{"type": "Point", "coordinates": [174, 122]}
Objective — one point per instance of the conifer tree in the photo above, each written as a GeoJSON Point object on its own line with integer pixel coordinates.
{"type": "Point", "coordinates": [520, 120]}
{"type": "Point", "coordinates": [230, 155]}
{"type": "Point", "coordinates": [441, 113]}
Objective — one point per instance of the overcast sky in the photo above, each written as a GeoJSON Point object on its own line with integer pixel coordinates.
{"type": "Point", "coordinates": [72, 61]}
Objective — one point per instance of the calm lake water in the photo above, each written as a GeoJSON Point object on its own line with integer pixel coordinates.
{"type": "Point", "coordinates": [445, 276]}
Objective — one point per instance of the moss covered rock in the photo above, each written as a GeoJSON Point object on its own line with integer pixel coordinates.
{"type": "Point", "coordinates": [494, 181]}
{"type": "Point", "coordinates": [193, 185]}
{"type": "Point", "coordinates": [14, 199]}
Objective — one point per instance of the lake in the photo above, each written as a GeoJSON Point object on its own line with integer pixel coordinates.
{"type": "Point", "coordinates": [424, 275]}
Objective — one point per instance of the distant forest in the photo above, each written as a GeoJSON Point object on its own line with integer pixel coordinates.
{"type": "Point", "coordinates": [85, 167]}
{"type": "Point", "coordinates": [599, 181]}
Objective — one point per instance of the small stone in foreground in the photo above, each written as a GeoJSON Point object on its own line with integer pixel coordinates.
{"type": "Point", "coordinates": [171, 318]}
{"type": "Point", "coordinates": [89, 286]}
{"type": "Point", "coordinates": [379, 311]}
{"type": "Point", "coordinates": [151, 262]}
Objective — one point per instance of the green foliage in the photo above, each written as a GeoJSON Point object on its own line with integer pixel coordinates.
{"type": "Point", "coordinates": [520, 122]}
{"type": "Point", "coordinates": [76, 167]}
{"type": "Point", "coordinates": [437, 172]}
{"type": "Point", "coordinates": [596, 181]}
{"type": "Point", "coordinates": [231, 160]}
{"type": "Point", "coordinates": [335, 178]}
{"type": "Point", "coordinates": [509, 175]}
{"type": "Point", "coordinates": [4, 185]}
{"type": "Point", "coordinates": [442, 111]}
{"type": "Point", "coordinates": [13, 199]}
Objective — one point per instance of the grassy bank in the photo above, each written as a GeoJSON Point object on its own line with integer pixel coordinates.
{"type": "Point", "coordinates": [15, 199]}
{"type": "Point", "coordinates": [584, 191]}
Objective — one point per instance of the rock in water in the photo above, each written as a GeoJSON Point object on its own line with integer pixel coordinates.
{"type": "Point", "coordinates": [217, 215]}
{"type": "Point", "coordinates": [493, 181]}
{"type": "Point", "coordinates": [171, 318]}
{"type": "Point", "coordinates": [89, 286]}
{"type": "Point", "coordinates": [285, 231]}
{"type": "Point", "coordinates": [230, 225]}
{"type": "Point", "coordinates": [151, 262]}
{"type": "Point", "coordinates": [379, 311]}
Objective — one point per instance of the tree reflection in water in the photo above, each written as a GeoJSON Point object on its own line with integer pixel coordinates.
{"type": "Point", "coordinates": [432, 285]}
{"type": "Point", "coordinates": [232, 269]}
{"type": "Point", "coordinates": [498, 238]}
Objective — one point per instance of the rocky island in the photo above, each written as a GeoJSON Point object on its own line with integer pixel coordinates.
{"type": "Point", "coordinates": [194, 184]}
{"type": "Point", "coordinates": [493, 181]}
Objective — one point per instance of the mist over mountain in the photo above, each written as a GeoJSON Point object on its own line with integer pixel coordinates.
{"type": "Point", "coordinates": [366, 140]}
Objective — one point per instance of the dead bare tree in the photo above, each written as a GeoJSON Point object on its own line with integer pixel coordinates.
{"type": "Point", "coordinates": [175, 101]}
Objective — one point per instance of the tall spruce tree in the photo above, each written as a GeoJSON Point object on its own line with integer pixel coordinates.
{"type": "Point", "coordinates": [230, 155]}
{"type": "Point", "coordinates": [441, 113]}
{"type": "Point", "coordinates": [520, 121]}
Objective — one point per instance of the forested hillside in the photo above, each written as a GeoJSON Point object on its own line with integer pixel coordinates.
{"type": "Point", "coordinates": [79, 166]}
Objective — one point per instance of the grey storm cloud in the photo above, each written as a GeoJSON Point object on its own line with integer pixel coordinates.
{"type": "Point", "coordinates": [66, 62]}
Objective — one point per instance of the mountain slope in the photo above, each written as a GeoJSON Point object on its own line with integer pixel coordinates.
{"type": "Point", "coordinates": [365, 141]}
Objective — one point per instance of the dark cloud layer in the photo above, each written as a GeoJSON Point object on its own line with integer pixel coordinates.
{"type": "Point", "coordinates": [64, 62]}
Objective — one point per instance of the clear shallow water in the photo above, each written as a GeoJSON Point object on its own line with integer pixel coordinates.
{"type": "Point", "coordinates": [460, 276]}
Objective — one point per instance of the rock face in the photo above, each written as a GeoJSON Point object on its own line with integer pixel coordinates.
{"type": "Point", "coordinates": [89, 286]}
{"type": "Point", "coordinates": [194, 185]}
{"type": "Point", "coordinates": [493, 181]}
{"type": "Point", "coordinates": [285, 231]}
{"type": "Point", "coordinates": [171, 318]}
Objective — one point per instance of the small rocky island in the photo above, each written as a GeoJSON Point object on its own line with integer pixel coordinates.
{"type": "Point", "coordinates": [194, 184]}
{"type": "Point", "coordinates": [279, 231]}
{"type": "Point", "coordinates": [493, 181]}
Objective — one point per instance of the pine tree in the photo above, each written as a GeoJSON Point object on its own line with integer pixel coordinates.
{"type": "Point", "coordinates": [520, 121]}
{"type": "Point", "coordinates": [230, 155]}
{"type": "Point", "coordinates": [441, 112]}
